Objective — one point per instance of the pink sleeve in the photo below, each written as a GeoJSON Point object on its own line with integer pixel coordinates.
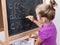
{"type": "Point", "coordinates": [44, 34]}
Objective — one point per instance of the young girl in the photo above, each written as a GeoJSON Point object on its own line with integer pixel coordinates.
{"type": "Point", "coordinates": [45, 15]}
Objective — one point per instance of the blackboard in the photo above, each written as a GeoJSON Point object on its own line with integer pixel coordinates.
{"type": "Point", "coordinates": [17, 10]}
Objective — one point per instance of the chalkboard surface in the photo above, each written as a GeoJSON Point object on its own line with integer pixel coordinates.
{"type": "Point", "coordinates": [17, 10]}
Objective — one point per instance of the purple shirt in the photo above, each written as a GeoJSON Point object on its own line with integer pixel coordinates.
{"type": "Point", "coordinates": [48, 34]}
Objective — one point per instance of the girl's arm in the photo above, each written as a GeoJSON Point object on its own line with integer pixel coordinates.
{"type": "Point", "coordinates": [38, 17]}
{"type": "Point", "coordinates": [38, 41]}
{"type": "Point", "coordinates": [37, 23]}
{"type": "Point", "coordinates": [31, 18]}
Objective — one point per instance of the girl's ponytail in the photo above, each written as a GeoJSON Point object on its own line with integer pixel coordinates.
{"type": "Point", "coordinates": [53, 3]}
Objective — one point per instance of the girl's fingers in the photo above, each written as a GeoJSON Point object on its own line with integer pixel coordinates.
{"type": "Point", "coordinates": [29, 17]}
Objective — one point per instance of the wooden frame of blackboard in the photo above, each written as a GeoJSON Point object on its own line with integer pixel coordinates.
{"type": "Point", "coordinates": [5, 25]}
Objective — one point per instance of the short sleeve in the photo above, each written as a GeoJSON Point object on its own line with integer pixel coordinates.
{"type": "Point", "coordinates": [45, 34]}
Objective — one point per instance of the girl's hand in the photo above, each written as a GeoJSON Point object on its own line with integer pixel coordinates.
{"type": "Point", "coordinates": [31, 18]}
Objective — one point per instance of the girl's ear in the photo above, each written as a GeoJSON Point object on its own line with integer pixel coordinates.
{"type": "Point", "coordinates": [44, 19]}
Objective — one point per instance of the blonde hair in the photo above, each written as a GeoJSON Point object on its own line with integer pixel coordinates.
{"type": "Point", "coordinates": [47, 10]}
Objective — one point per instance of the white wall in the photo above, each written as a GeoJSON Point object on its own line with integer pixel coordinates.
{"type": "Point", "coordinates": [57, 20]}
{"type": "Point", "coordinates": [2, 36]}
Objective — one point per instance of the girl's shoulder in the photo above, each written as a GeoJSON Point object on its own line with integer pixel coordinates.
{"type": "Point", "coordinates": [49, 27]}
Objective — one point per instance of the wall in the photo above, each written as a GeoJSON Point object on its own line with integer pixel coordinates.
{"type": "Point", "coordinates": [57, 22]}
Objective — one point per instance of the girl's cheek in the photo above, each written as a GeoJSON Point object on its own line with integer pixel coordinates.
{"type": "Point", "coordinates": [41, 21]}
